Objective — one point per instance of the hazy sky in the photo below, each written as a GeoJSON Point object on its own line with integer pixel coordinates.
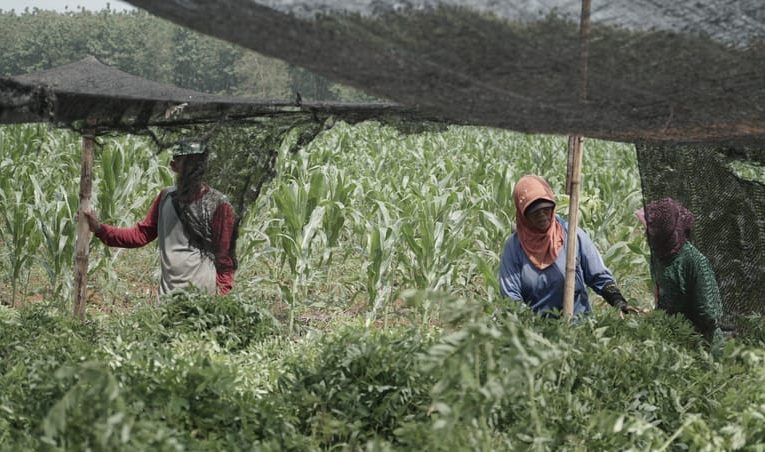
{"type": "Point", "coordinates": [59, 5]}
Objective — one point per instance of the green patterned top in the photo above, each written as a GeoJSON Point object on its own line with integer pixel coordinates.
{"type": "Point", "coordinates": [686, 285]}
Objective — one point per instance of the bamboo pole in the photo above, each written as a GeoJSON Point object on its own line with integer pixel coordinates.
{"type": "Point", "coordinates": [83, 230]}
{"type": "Point", "coordinates": [574, 170]}
{"type": "Point", "coordinates": [575, 150]}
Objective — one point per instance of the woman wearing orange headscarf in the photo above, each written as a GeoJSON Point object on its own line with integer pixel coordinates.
{"type": "Point", "coordinates": [533, 265]}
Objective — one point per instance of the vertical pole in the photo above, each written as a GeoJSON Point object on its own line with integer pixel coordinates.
{"type": "Point", "coordinates": [575, 150]}
{"type": "Point", "coordinates": [83, 231]}
{"type": "Point", "coordinates": [574, 170]}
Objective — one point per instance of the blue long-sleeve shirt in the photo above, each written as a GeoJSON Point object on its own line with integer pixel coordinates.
{"type": "Point", "coordinates": [542, 290]}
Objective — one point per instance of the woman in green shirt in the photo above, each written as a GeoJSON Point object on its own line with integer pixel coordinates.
{"type": "Point", "coordinates": [684, 280]}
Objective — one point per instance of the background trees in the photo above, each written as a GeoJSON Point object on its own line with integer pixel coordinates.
{"type": "Point", "coordinates": [147, 46]}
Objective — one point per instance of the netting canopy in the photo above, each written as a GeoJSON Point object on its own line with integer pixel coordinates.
{"type": "Point", "coordinates": [244, 156]}
{"type": "Point", "coordinates": [118, 100]}
{"type": "Point", "coordinates": [652, 70]}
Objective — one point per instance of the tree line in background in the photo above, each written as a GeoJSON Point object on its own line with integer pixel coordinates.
{"type": "Point", "coordinates": [147, 46]}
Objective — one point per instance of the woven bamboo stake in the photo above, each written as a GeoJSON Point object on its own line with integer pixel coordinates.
{"type": "Point", "coordinates": [83, 231]}
{"type": "Point", "coordinates": [574, 172]}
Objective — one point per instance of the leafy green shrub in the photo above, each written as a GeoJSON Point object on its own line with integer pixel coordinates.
{"type": "Point", "coordinates": [33, 345]}
{"type": "Point", "coordinates": [172, 377]}
{"type": "Point", "coordinates": [234, 322]}
{"type": "Point", "coordinates": [360, 385]}
{"type": "Point", "coordinates": [600, 383]}
{"type": "Point", "coordinates": [152, 400]}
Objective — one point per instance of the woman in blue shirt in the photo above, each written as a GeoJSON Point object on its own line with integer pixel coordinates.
{"type": "Point", "coordinates": [533, 265]}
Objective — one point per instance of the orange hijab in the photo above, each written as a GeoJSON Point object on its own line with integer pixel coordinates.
{"type": "Point", "coordinates": [541, 247]}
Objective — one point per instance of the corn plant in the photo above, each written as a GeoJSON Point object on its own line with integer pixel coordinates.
{"type": "Point", "coordinates": [310, 212]}
{"type": "Point", "coordinates": [434, 239]}
{"type": "Point", "coordinates": [129, 178]}
{"type": "Point", "coordinates": [299, 220]}
{"type": "Point", "coordinates": [20, 234]}
{"type": "Point", "coordinates": [334, 191]}
{"type": "Point", "coordinates": [19, 143]}
{"type": "Point", "coordinates": [253, 244]}
{"type": "Point", "coordinates": [39, 179]}
{"type": "Point", "coordinates": [55, 221]}
{"type": "Point", "coordinates": [381, 249]}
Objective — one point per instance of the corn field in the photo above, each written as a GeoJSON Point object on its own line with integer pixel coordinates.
{"type": "Point", "coordinates": [364, 213]}
{"type": "Point", "coordinates": [363, 315]}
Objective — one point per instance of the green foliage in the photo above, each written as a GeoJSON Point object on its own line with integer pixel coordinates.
{"type": "Point", "coordinates": [197, 373]}
{"type": "Point", "coordinates": [232, 322]}
{"type": "Point", "coordinates": [359, 387]}
{"type": "Point", "coordinates": [133, 41]}
{"type": "Point", "coordinates": [309, 85]}
{"type": "Point", "coordinates": [751, 329]}
{"type": "Point", "coordinates": [262, 77]}
{"type": "Point", "coordinates": [368, 209]}
{"type": "Point", "coordinates": [35, 344]}
{"type": "Point", "coordinates": [118, 384]}
{"type": "Point", "coordinates": [601, 383]}
{"type": "Point", "coordinates": [202, 63]}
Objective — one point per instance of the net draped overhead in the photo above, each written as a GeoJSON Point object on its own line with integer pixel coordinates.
{"type": "Point", "coordinates": [118, 100]}
{"type": "Point", "coordinates": [244, 156]}
{"type": "Point", "coordinates": [686, 70]}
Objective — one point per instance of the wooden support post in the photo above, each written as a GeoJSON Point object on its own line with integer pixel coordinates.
{"type": "Point", "coordinates": [83, 230]}
{"type": "Point", "coordinates": [575, 150]}
{"type": "Point", "coordinates": [574, 170]}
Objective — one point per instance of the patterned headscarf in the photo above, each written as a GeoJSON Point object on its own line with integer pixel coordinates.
{"type": "Point", "coordinates": [668, 224]}
{"type": "Point", "coordinates": [541, 247]}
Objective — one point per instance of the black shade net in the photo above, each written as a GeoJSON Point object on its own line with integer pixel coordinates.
{"type": "Point", "coordinates": [88, 89]}
{"type": "Point", "coordinates": [244, 133]}
{"type": "Point", "coordinates": [651, 70]}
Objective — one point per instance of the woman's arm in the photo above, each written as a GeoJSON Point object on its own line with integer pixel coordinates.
{"type": "Point", "coordinates": [596, 274]}
{"type": "Point", "coordinates": [705, 295]}
{"type": "Point", "coordinates": [222, 231]}
{"type": "Point", "coordinates": [136, 236]}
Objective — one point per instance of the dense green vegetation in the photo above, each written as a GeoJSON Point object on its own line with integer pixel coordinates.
{"type": "Point", "coordinates": [220, 374]}
{"type": "Point", "coordinates": [362, 313]}
{"type": "Point", "coordinates": [365, 313]}
{"type": "Point", "coordinates": [363, 213]}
